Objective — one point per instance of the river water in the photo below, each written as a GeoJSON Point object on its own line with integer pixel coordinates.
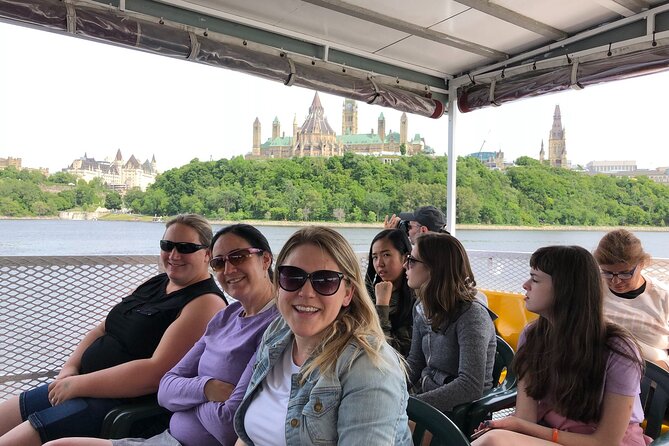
{"type": "Point", "coordinates": [72, 237]}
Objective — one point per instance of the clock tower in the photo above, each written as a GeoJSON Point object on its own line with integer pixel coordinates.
{"type": "Point", "coordinates": [349, 118]}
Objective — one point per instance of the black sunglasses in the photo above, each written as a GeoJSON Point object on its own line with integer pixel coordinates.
{"type": "Point", "coordinates": [324, 282]}
{"type": "Point", "coordinates": [235, 258]}
{"type": "Point", "coordinates": [182, 247]}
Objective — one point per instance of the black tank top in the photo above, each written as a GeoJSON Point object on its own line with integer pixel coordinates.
{"type": "Point", "coordinates": [134, 327]}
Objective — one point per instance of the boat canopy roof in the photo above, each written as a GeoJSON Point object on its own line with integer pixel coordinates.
{"type": "Point", "coordinates": [411, 56]}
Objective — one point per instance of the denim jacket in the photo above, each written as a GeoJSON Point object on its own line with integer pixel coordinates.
{"type": "Point", "coordinates": [358, 404]}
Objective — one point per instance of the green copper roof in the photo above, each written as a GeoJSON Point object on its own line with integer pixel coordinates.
{"type": "Point", "coordinates": [361, 138]}
{"type": "Point", "coordinates": [393, 137]}
{"type": "Point", "coordinates": [279, 141]}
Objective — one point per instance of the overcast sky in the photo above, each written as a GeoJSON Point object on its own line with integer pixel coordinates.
{"type": "Point", "coordinates": [61, 97]}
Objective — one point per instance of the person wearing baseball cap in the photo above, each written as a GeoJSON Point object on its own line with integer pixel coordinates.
{"type": "Point", "coordinates": [423, 219]}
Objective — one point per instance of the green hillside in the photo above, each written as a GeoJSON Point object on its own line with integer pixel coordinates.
{"type": "Point", "coordinates": [357, 188]}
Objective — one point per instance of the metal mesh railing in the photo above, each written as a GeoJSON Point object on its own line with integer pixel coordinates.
{"type": "Point", "coordinates": [506, 271]}
{"type": "Point", "coordinates": [48, 304]}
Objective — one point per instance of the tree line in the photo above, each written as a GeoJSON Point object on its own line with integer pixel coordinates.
{"type": "Point", "coordinates": [29, 193]}
{"type": "Point", "coordinates": [355, 188]}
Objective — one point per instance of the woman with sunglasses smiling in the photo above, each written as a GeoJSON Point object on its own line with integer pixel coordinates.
{"type": "Point", "coordinates": [632, 299]}
{"type": "Point", "coordinates": [126, 355]}
{"type": "Point", "coordinates": [324, 373]}
{"type": "Point", "coordinates": [453, 343]}
{"type": "Point", "coordinates": [205, 388]}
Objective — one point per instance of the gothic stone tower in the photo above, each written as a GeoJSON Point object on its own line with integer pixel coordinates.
{"type": "Point", "coordinates": [276, 128]}
{"type": "Point", "coordinates": [349, 118]}
{"type": "Point", "coordinates": [542, 152]}
{"type": "Point", "coordinates": [404, 128]}
{"type": "Point", "coordinates": [316, 137]}
{"type": "Point", "coordinates": [256, 138]}
{"type": "Point", "coordinates": [382, 128]}
{"type": "Point", "coordinates": [557, 147]}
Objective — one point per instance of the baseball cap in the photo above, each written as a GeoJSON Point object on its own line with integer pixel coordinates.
{"type": "Point", "coordinates": [428, 216]}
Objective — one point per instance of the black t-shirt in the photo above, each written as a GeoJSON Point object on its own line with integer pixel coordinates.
{"type": "Point", "coordinates": [134, 327]}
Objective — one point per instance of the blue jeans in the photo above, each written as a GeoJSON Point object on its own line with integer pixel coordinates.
{"type": "Point", "coordinates": [78, 417]}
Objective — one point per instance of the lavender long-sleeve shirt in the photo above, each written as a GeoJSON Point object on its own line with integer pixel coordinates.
{"type": "Point", "coordinates": [226, 352]}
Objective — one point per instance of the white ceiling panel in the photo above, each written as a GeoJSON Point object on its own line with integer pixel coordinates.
{"type": "Point", "coordinates": [425, 13]}
{"type": "Point", "coordinates": [570, 16]}
{"type": "Point", "coordinates": [491, 32]}
{"type": "Point", "coordinates": [425, 53]}
{"type": "Point", "coordinates": [304, 18]}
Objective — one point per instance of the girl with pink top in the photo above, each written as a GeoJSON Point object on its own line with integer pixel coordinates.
{"type": "Point", "coordinates": [578, 374]}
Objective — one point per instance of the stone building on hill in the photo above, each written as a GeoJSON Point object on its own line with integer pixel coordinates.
{"type": "Point", "coordinates": [118, 174]}
{"type": "Point", "coordinates": [10, 162]}
{"type": "Point", "coordinates": [492, 160]}
{"type": "Point", "coordinates": [17, 163]}
{"type": "Point", "coordinates": [316, 137]}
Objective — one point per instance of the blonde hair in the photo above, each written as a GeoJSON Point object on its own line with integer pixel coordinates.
{"type": "Point", "coordinates": [356, 323]}
{"type": "Point", "coordinates": [621, 246]}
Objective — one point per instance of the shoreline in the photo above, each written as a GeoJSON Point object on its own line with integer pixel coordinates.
{"type": "Point", "coordinates": [379, 225]}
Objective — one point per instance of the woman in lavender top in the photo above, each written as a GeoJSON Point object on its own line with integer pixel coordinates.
{"type": "Point", "coordinates": [205, 388]}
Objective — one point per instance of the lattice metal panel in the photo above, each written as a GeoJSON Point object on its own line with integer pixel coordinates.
{"type": "Point", "coordinates": [48, 304]}
{"type": "Point", "coordinates": [501, 271]}
{"type": "Point", "coordinates": [507, 271]}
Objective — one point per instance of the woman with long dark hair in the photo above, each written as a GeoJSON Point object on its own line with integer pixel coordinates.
{"type": "Point", "coordinates": [453, 343]}
{"type": "Point", "coordinates": [579, 374]}
{"type": "Point", "coordinates": [388, 287]}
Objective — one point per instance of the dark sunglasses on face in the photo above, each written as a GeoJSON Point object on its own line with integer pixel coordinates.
{"type": "Point", "coordinates": [324, 282]}
{"type": "Point", "coordinates": [182, 247]}
{"type": "Point", "coordinates": [235, 258]}
{"type": "Point", "coordinates": [411, 261]}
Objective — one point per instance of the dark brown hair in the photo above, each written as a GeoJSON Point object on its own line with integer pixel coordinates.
{"type": "Point", "coordinates": [451, 281]}
{"type": "Point", "coordinates": [564, 357]}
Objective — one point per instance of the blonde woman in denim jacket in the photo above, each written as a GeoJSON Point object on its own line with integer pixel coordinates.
{"type": "Point", "coordinates": [324, 374]}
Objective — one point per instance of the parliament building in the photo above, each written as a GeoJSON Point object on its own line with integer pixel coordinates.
{"type": "Point", "coordinates": [315, 137]}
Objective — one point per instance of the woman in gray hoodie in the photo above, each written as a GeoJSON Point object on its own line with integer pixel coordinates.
{"type": "Point", "coordinates": [453, 342]}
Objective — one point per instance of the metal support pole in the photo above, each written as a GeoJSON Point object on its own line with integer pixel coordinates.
{"type": "Point", "coordinates": [450, 185]}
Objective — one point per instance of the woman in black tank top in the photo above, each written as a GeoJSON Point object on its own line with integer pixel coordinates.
{"type": "Point", "coordinates": [125, 356]}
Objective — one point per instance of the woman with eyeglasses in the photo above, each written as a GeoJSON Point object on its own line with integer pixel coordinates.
{"type": "Point", "coordinates": [387, 285]}
{"type": "Point", "coordinates": [453, 343]}
{"type": "Point", "coordinates": [205, 388]}
{"type": "Point", "coordinates": [632, 299]}
{"type": "Point", "coordinates": [578, 373]}
{"type": "Point", "coordinates": [126, 355]}
{"type": "Point", "coordinates": [324, 373]}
